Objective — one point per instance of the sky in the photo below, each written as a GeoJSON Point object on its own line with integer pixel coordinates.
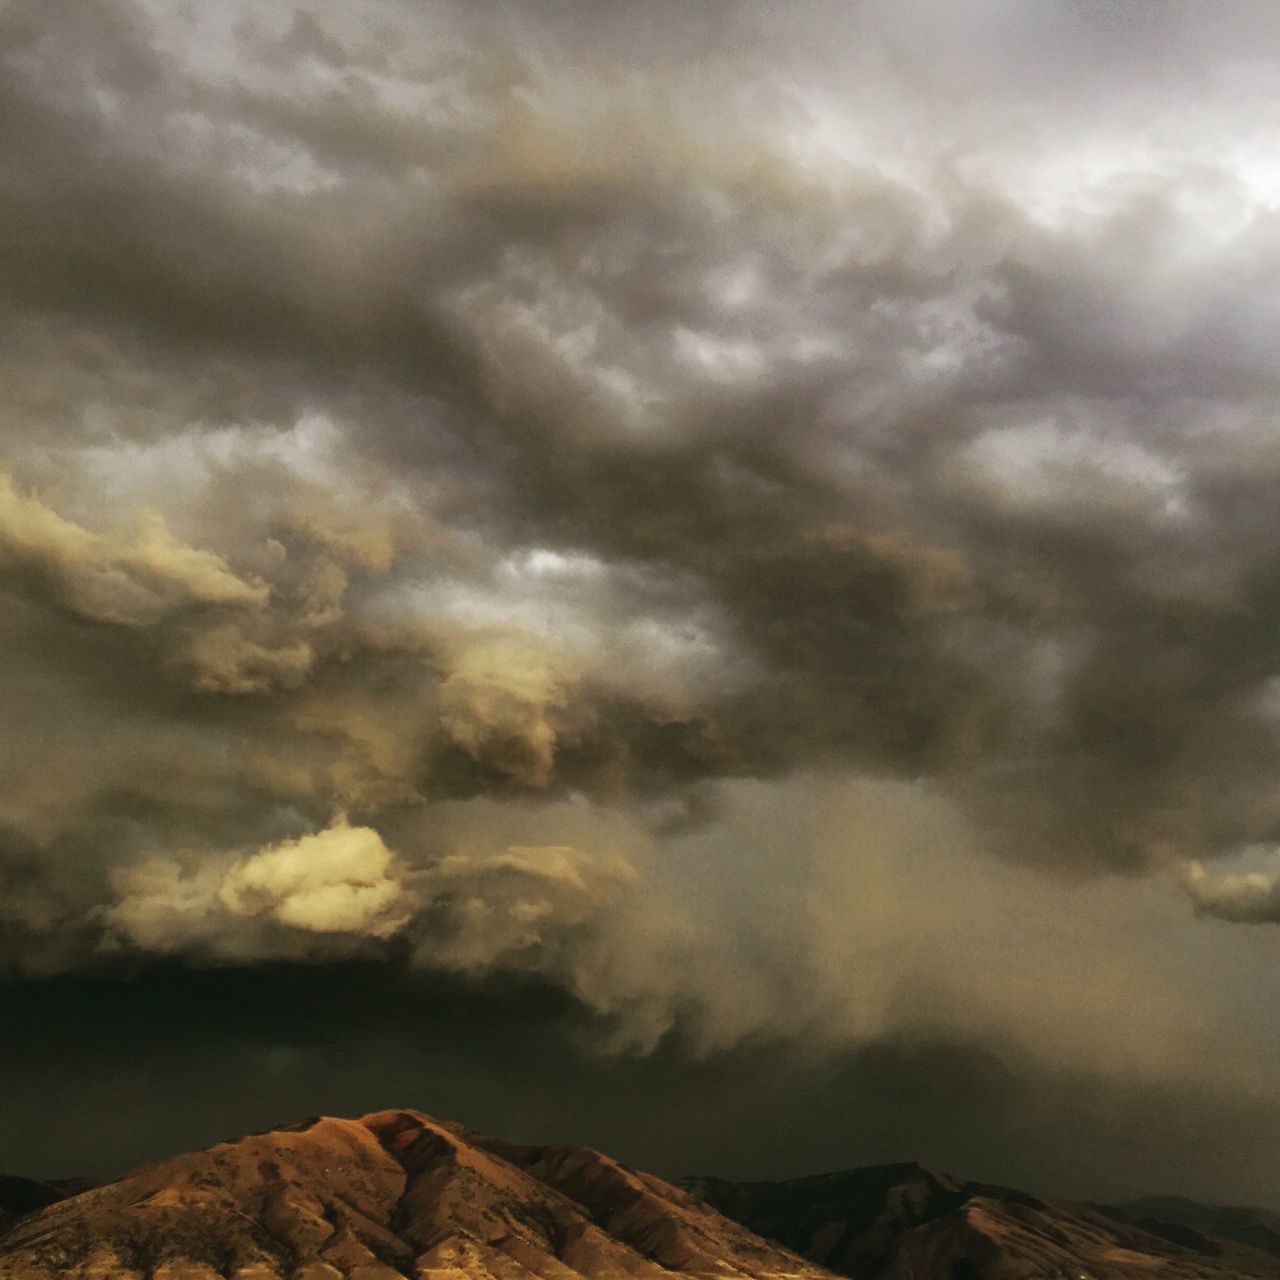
{"type": "Point", "coordinates": [700, 578]}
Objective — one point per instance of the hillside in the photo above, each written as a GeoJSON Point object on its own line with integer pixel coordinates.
{"type": "Point", "coordinates": [397, 1195]}
{"type": "Point", "coordinates": [390, 1195]}
{"type": "Point", "coordinates": [905, 1222]}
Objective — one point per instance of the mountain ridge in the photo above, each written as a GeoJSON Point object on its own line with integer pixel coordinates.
{"type": "Point", "coordinates": [389, 1195]}
{"type": "Point", "coordinates": [904, 1221]}
{"type": "Point", "coordinates": [401, 1195]}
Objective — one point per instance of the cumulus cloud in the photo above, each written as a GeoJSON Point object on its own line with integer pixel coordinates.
{"type": "Point", "coordinates": [225, 660]}
{"type": "Point", "coordinates": [515, 907]}
{"type": "Point", "coordinates": [132, 580]}
{"type": "Point", "coordinates": [499, 703]}
{"type": "Point", "coordinates": [340, 880]}
{"type": "Point", "coordinates": [1248, 897]}
{"type": "Point", "coordinates": [164, 907]}
{"type": "Point", "coordinates": [477, 910]}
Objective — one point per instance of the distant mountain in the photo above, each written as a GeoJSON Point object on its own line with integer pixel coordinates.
{"type": "Point", "coordinates": [905, 1222]}
{"type": "Point", "coordinates": [391, 1195]}
{"type": "Point", "coordinates": [1258, 1228]}
{"type": "Point", "coordinates": [20, 1196]}
{"type": "Point", "coordinates": [399, 1196]}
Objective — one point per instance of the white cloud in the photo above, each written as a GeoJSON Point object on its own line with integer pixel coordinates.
{"type": "Point", "coordinates": [1242, 897]}
{"type": "Point", "coordinates": [343, 879]}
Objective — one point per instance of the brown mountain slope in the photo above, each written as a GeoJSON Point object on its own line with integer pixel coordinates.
{"type": "Point", "coordinates": [903, 1222]}
{"type": "Point", "coordinates": [1170, 1215]}
{"type": "Point", "coordinates": [398, 1195]}
{"type": "Point", "coordinates": [392, 1195]}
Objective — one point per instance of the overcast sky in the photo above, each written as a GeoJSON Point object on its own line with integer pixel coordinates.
{"type": "Point", "coordinates": [697, 577]}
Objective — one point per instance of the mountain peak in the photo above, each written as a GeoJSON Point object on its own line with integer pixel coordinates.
{"type": "Point", "coordinates": [387, 1195]}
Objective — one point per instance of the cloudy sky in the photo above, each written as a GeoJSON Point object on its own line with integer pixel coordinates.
{"type": "Point", "coordinates": [697, 577]}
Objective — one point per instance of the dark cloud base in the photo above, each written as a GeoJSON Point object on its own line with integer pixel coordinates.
{"type": "Point", "coordinates": [115, 1072]}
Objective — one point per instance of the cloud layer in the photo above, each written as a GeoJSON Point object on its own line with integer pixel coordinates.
{"type": "Point", "coordinates": [458, 462]}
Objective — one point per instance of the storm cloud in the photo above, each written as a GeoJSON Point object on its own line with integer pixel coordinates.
{"type": "Point", "coordinates": [749, 516]}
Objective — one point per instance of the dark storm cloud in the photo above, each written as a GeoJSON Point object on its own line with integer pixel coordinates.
{"type": "Point", "coordinates": [977, 1107]}
{"type": "Point", "coordinates": [454, 459]}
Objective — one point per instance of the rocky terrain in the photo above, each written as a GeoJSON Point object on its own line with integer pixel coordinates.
{"type": "Point", "coordinates": [905, 1222]}
{"type": "Point", "coordinates": [397, 1195]}
{"type": "Point", "coordinates": [388, 1196]}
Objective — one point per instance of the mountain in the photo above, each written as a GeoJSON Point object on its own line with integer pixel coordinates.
{"type": "Point", "coordinates": [1257, 1228]}
{"type": "Point", "coordinates": [20, 1196]}
{"type": "Point", "coordinates": [391, 1195]}
{"type": "Point", "coordinates": [397, 1195]}
{"type": "Point", "coordinates": [905, 1222]}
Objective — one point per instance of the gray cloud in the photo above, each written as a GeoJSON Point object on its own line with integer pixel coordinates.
{"type": "Point", "coordinates": [458, 462]}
